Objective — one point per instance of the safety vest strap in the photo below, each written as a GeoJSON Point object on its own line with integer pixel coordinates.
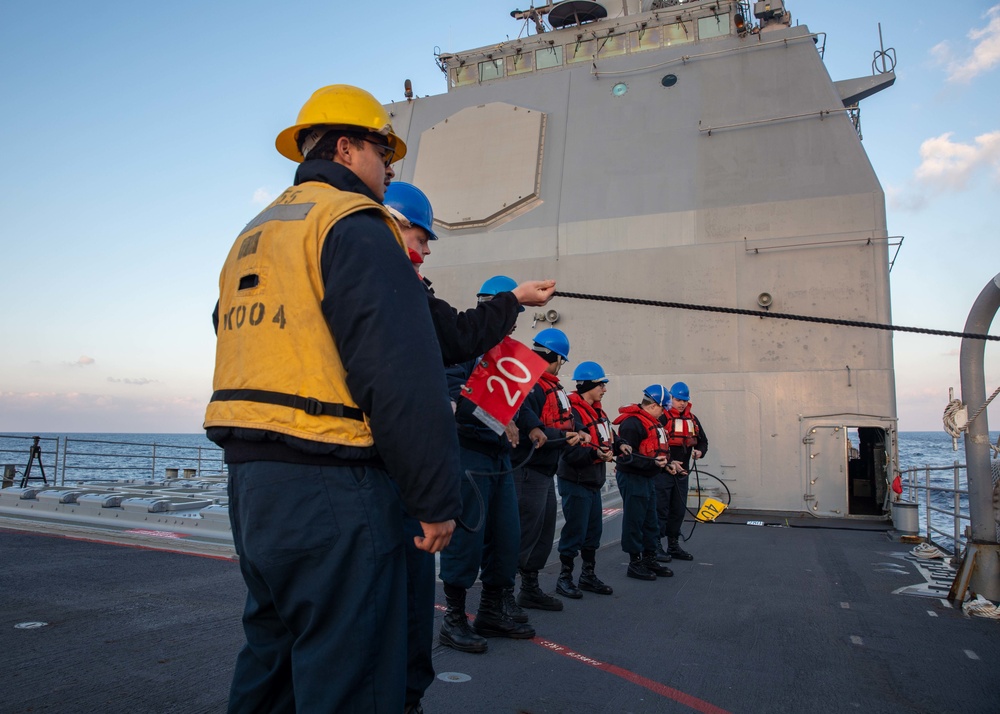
{"type": "Point", "coordinates": [309, 405]}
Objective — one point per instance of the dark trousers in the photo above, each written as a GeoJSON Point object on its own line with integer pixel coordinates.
{"type": "Point", "coordinates": [420, 608]}
{"type": "Point", "coordinates": [671, 503]}
{"type": "Point", "coordinates": [492, 552]}
{"type": "Point", "coordinates": [321, 552]}
{"type": "Point", "coordinates": [639, 527]}
{"type": "Point", "coordinates": [583, 511]}
{"type": "Point", "coordinates": [536, 505]}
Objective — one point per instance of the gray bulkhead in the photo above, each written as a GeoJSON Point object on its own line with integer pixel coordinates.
{"type": "Point", "coordinates": [553, 172]}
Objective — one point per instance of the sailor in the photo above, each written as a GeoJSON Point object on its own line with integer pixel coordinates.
{"type": "Point", "coordinates": [687, 441]}
{"type": "Point", "coordinates": [490, 553]}
{"type": "Point", "coordinates": [462, 337]}
{"type": "Point", "coordinates": [547, 408]}
{"type": "Point", "coordinates": [582, 473]}
{"type": "Point", "coordinates": [640, 428]}
{"type": "Point", "coordinates": [470, 333]}
{"type": "Point", "coordinates": [316, 298]}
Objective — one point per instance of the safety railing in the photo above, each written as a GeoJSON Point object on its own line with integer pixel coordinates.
{"type": "Point", "coordinates": [75, 459]}
{"type": "Point", "coordinates": [931, 494]}
{"type": "Point", "coordinates": [16, 453]}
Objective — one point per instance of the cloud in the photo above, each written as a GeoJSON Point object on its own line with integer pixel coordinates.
{"type": "Point", "coordinates": [948, 164]}
{"type": "Point", "coordinates": [262, 197]}
{"type": "Point", "coordinates": [126, 380]}
{"type": "Point", "coordinates": [985, 53]}
{"type": "Point", "coordinates": [84, 361]}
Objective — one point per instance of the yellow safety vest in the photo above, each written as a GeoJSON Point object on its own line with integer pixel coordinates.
{"type": "Point", "coordinates": [277, 367]}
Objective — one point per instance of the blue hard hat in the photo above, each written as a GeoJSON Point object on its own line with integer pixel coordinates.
{"type": "Point", "coordinates": [496, 284]}
{"type": "Point", "coordinates": [680, 391]}
{"type": "Point", "coordinates": [555, 340]}
{"type": "Point", "coordinates": [412, 203]}
{"type": "Point", "coordinates": [589, 372]}
{"type": "Point", "coordinates": [657, 393]}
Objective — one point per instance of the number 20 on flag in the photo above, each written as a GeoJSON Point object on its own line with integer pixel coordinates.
{"type": "Point", "coordinates": [501, 382]}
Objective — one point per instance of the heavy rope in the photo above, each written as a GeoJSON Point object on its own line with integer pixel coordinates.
{"type": "Point", "coordinates": [951, 425]}
{"type": "Point", "coordinates": [776, 315]}
{"type": "Point", "coordinates": [479, 496]}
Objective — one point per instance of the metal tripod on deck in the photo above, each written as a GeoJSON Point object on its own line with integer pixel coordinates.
{"type": "Point", "coordinates": [35, 455]}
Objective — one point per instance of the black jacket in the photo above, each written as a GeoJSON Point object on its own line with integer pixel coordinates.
{"type": "Point", "coordinates": [546, 459]}
{"type": "Point", "coordinates": [468, 334]}
{"type": "Point", "coordinates": [379, 317]}
{"type": "Point", "coordinates": [576, 463]}
{"type": "Point", "coordinates": [632, 431]}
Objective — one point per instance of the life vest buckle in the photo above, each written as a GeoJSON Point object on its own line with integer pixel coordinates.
{"type": "Point", "coordinates": [312, 406]}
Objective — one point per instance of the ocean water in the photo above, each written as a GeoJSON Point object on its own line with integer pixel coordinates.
{"type": "Point", "coordinates": [67, 458]}
{"type": "Point", "coordinates": [922, 449]}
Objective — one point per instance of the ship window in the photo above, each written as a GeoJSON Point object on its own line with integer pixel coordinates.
{"type": "Point", "coordinates": [580, 51]}
{"type": "Point", "coordinates": [678, 34]}
{"type": "Point", "coordinates": [645, 39]}
{"type": "Point", "coordinates": [490, 69]}
{"type": "Point", "coordinates": [548, 57]}
{"type": "Point", "coordinates": [461, 76]}
{"type": "Point", "coordinates": [611, 45]}
{"type": "Point", "coordinates": [519, 63]}
{"type": "Point", "coordinates": [714, 26]}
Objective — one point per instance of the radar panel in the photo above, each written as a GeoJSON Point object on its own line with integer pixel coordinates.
{"type": "Point", "coordinates": [482, 165]}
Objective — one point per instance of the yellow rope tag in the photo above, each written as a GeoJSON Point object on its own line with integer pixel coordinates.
{"type": "Point", "coordinates": [710, 510]}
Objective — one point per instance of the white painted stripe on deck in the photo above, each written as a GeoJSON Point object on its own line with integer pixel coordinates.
{"type": "Point", "coordinates": [932, 613]}
{"type": "Point", "coordinates": [846, 605]}
{"type": "Point", "coordinates": [944, 602]}
{"type": "Point", "coordinates": [855, 640]}
{"type": "Point", "coordinates": [971, 655]}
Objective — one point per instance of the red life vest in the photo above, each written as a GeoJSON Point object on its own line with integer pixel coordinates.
{"type": "Point", "coordinates": [655, 444]}
{"type": "Point", "coordinates": [682, 429]}
{"type": "Point", "coordinates": [595, 421]}
{"type": "Point", "coordinates": [556, 410]}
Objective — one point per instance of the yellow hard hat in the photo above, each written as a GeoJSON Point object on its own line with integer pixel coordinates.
{"type": "Point", "coordinates": [344, 106]}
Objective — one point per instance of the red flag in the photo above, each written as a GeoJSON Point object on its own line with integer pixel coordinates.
{"type": "Point", "coordinates": [501, 382]}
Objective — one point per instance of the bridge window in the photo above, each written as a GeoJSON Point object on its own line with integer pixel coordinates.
{"type": "Point", "coordinates": [678, 34]}
{"type": "Point", "coordinates": [519, 63]}
{"type": "Point", "coordinates": [549, 57]}
{"type": "Point", "coordinates": [490, 69]}
{"type": "Point", "coordinates": [714, 26]}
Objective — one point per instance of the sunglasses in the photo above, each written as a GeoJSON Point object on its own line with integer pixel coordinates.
{"type": "Point", "coordinates": [386, 152]}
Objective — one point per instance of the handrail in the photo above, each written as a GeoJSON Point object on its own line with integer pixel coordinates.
{"type": "Point", "coordinates": [957, 534]}
{"type": "Point", "coordinates": [104, 459]}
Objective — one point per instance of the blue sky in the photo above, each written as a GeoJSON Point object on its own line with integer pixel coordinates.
{"type": "Point", "coordinates": [138, 138]}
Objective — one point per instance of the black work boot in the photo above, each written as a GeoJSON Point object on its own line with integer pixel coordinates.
{"type": "Point", "coordinates": [533, 596]}
{"type": "Point", "coordinates": [662, 556]}
{"type": "Point", "coordinates": [589, 580]}
{"type": "Point", "coordinates": [455, 630]}
{"type": "Point", "coordinates": [675, 550]}
{"type": "Point", "coordinates": [565, 585]}
{"type": "Point", "coordinates": [512, 608]}
{"type": "Point", "coordinates": [637, 568]}
{"type": "Point", "coordinates": [492, 621]}
{"type": "Point", "coordinates": [660, 571]}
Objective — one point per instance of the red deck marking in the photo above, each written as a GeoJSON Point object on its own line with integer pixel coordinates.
{"type": "Point", "coordinates": [677, 695]}
{"type": "Point", "coordinates": [661, 689]}
{"type": "Point", "coordinates": [609, 512]}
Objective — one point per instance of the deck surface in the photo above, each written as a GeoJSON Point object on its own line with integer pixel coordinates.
{"type": "Point", "coordinates": [765, 619]}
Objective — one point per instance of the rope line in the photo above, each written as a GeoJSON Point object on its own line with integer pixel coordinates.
{"type": "Point", "coordinates": [776, 315]}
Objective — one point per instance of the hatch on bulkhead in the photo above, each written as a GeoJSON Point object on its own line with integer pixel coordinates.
{"type": "Point", "coordinates": [847, 468]}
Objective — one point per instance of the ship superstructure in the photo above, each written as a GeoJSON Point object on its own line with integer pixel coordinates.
{"type": "Point", "coordinates": [693, 152]}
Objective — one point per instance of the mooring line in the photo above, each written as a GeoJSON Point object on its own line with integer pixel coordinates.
{"type": "Point", "coordinates": [776, 315]}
